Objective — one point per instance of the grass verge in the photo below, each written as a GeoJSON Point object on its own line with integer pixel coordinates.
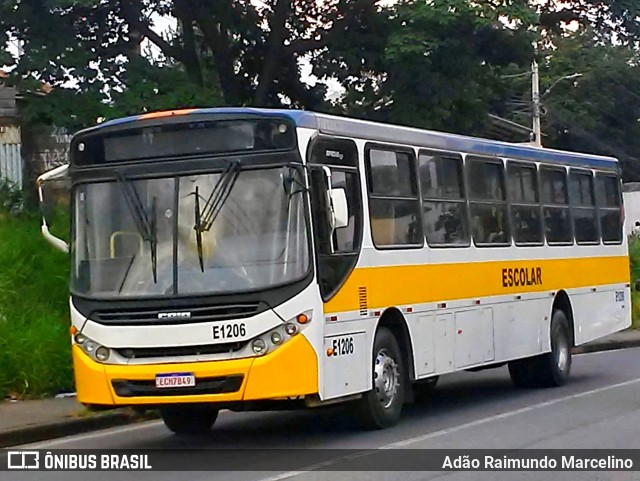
{"type": "Point", "coordinates": [35, 358]}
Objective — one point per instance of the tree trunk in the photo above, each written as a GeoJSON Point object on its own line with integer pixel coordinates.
{"type": "Point", "coordinates": [275, 42]}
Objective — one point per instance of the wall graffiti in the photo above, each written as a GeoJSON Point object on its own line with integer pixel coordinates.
{"type": "Point", "coordinates": [51, 158]}
{"type": "Point", "coordinates": [50, 149]}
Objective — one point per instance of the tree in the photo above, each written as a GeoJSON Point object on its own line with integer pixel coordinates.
{"type": "Point", "coordinates": [613, 21]}
{"type": "Point", "coordinates": [438, 65]}
{"type": "Point", "coordinates": [599, 111]}
{"type": "Point", "coordinates": [223, 51]}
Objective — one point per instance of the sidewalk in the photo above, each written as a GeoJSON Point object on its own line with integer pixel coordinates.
{"type": "Point", "coordinates": [619, 340]}
{"type": "Point", "coordinates": [23, 422]}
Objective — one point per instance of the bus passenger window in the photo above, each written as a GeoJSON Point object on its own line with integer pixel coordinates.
{"type": "Point", "coordinates": [525, 208]}
{"type": "Point", "coordinates": [609, 207]}
{"type": "Point", "coordinates": [555, 206]}
{"type": "Point", "coordinates": [394, 205]}
{"type": "Point", "coordinates": [444, 204]}
{"type": "Point", "coordinates": [583, 207]}
{"type": "Point", "coordinates": [489, 222]}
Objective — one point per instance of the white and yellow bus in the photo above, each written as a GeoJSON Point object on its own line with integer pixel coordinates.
{"type": "Point", "coordinates": [264, 259]}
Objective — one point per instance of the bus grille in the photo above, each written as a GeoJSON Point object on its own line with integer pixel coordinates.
{"type": "Point", "coordinates": [177, 351]}
{"type": "Point", "coordinates": [205, 385]}
{"type": "Point", "coordinates": [156, 316]}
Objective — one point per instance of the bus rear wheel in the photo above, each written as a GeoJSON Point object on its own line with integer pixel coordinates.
{"type": "Point", "coordinates": [381, 407]}
{"type": "Point", "coordinates": [189, 420]}
{"type": "Point", "coordinates": [550, 369]}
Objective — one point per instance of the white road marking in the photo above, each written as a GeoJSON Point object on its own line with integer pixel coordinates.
{"type": "Point", "coordinates": [461, 427]}
{"type": "Point", "coordinates": [94, 435]}
{"type": "Point", "coordinates": [496, 417]}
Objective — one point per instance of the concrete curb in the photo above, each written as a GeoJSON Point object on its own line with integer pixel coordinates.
{"type": "Point", "coordinates": [69, 427]}
{"type": "Point", "coordinates": [607, 346]}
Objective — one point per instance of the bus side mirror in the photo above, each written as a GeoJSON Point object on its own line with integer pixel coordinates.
{"type": "Point", "coordinates": [339, 208]}
{"type": "Point", "coordinates": [56, 173]}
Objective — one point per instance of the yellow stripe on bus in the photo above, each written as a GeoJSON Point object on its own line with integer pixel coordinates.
{"type": "Point", "coordinates": [402, 285]}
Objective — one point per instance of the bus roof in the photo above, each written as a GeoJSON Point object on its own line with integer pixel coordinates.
{"type": "Point", "coordinates": [375, 131]}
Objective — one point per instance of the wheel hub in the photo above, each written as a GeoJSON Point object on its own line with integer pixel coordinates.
{"type": "Point", "coordinates": [562, 353]}
{"type": "Point", "coordinates": [386, 378]}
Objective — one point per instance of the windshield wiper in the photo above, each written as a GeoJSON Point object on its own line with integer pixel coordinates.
{"type": "Point", "coordinates": [145, 225]}
{"type": "Point", "coordinates": [205, 218]}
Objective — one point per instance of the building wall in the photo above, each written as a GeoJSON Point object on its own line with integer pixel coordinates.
{"type": "Point", "coordinates": [631, 210]}
{"type": "Point", "coordinates": [11, 167]}
{"type": "Point", "coordinates": [46, 147]}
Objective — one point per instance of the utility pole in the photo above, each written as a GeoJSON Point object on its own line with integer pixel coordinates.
{"type": "Point", "coordinates": [535, 93]}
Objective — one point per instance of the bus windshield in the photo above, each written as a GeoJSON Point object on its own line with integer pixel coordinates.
{"type": "Point", "coordinates": [154, 237]}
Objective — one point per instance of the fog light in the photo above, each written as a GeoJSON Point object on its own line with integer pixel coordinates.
{"type": "Point", "coordinates": [102, 353]}
{"type": "Point", "coordinates": [80, 339]}
{"type": "Point", "coordinates": [290, 329]}
{"type": "Point", "coordinates": [89, 345]}
{"type": "Point", "coordinates": [276, 338]}
{"type": "Point", "coordinates": [259, 346]}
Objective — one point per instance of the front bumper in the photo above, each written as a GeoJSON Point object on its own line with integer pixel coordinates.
{"type": "Point", "coordinates": [289, 371]}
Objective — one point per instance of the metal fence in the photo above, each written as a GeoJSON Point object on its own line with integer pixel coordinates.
{"type": "Point", "coordinates": [10, 156]}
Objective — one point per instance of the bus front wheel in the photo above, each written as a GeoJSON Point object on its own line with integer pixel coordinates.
{"type": "Point", "coordinates": [550, 369]}
{"type": "Point", "coordinates": [381, 407]}
{"type": "Point", "coordinates": [189, 420]}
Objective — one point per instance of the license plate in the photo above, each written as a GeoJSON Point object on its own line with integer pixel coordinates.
{"type": "Point", "coordinates": [176, 379]}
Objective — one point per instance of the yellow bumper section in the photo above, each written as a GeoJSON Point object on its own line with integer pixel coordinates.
{"type": "Point", "coordinates": [291, 370]}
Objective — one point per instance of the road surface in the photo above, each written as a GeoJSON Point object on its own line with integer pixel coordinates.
{"type": "Point", "coordinates": [599, 408]}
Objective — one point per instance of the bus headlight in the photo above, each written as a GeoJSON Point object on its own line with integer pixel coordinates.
{"type": "Point", "coordinates": [89, 346]}
{"type": "Point", "coordinates": [275, 338]}
{"type": "Point", "coordinates": [96, 351]}
{"type": "Point", "coordinates": [102, 354]}
{"type": "Point", "coordinates": [80, 338]}
{"type": "Point", "coordinates": [290, 329]}
{"type": "Point", "coordinates": [259, 346]}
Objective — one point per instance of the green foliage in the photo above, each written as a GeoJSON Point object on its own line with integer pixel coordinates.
{"type": "Point", "coordinates": [12, 199]}
{"type": "Point", "coordinates": [441, 63]}
{"type": "Point", "coordinates": [634, 260]}
{"type": "Point", "coordinates": [159, 88]}
{"type": "Point", "coordinates": [598, 111]}
{"type": "Point", "coordinates": [35, 355]}
{"type": "Point", "coordinates": [612, 21]}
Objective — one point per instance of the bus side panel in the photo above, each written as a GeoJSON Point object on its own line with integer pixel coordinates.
{"type": "Point", "coordinates": [600, 313]}
{"type": "Point", "coordinates": [519, 328]}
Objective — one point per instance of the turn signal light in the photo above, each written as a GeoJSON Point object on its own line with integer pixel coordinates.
{"type": "Point", "coordinates": [302, 318]}
{"type": "Point", "coordinates": [73, 330]}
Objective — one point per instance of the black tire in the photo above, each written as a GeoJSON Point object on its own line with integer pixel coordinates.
{"type": "Point", "coordinates": [521, 372]}
{"type": "Point", "coordinates": [422, 390]}
{"type": "Point", "coordinates": [189, 420]}
{"type": "Point", "coordinates": [381, 407]}
{"type": "Point", "coordinates": [555, 366]}
{"type": "Point", "coordinates": [550, 369]}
